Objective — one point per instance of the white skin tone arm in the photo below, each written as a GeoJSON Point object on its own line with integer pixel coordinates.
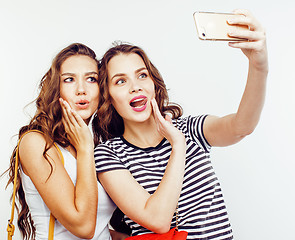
{"type": "Point", "coordinates": [75, 207]}
{"type": "Point", "coordinates": [232, 128]}
{"type": "Point", "coordinates": [154, 211]}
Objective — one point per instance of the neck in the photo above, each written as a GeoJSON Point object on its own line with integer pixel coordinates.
{"type": "Point", "coordinates": [142, 135]}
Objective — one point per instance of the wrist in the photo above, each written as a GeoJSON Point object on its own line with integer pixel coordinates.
{"type": "Point", "coordinates": [262, 68]}
{"type": "Point", "coordinates": [259, 65]}
{"type": "Point", "coordinates": [179, 144]}
{"type": "Point", "coordinates": [259, 72]}
{"type": "Point", "coordinates": [178, 141]}
{"type": "Point", "coordinates": [85, 151]}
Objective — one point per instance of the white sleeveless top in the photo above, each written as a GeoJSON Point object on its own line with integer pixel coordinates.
{"type": "Point", "coordinates": [41, 214]}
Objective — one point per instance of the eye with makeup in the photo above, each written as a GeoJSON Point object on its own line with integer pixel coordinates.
{"type": "Point", "coordinates": [68, 80]}
{"type": "Point", "coordinates": [120, 81]}
{"type": "Point", "coordinates": [92, 79]}
{"type": "Point", "coordinates": [143, 75]}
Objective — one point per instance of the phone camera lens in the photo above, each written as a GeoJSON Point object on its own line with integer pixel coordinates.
{"type": "Point", "coordinates": [203, 34]}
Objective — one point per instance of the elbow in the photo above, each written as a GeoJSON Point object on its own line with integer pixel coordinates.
{"type": "Point", "coordinates": [162, 229]}
{"type": "Point", "coordinates": [242, 128]}
{"type": "Point", "coordinates": [86, 236]}
{"type": "Point", "coordinates": [161, 226]}
{"type": "Point", "coordinates": [84, 223]}
{"type": "Point", "coordinates": [249, 132]}
{"type": "Point", "coordinates": [88, 233]}
{"type": "Point", "coordinates": [237, 136]}
{"type": "Point", "coordinates": [85, 230]}
{"type": "Point", "coordinates": [245, 132]}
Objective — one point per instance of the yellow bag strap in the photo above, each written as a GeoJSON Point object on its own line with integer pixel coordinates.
{"type": "Point", "coordinates": [11, 227]}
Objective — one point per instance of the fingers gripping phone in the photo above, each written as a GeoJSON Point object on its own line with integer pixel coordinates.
{"type": "Point", "coordinates": [214, 26]}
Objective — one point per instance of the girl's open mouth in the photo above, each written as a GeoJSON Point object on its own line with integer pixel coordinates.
{"type": "Point", "coordinates": [138, 103]}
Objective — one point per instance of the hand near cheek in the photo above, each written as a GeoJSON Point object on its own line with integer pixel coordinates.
{"type": "Point", "coordinates": [165, 126]}
{"type": "Point", "coordinates": [77, 131]}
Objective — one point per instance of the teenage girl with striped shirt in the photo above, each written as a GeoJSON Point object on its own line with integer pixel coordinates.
{"type": "Point", "coordinates": [150, 164]}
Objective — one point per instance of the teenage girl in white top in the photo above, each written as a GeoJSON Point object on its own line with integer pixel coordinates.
{"type": "Point", "coordinates": [67, 100]}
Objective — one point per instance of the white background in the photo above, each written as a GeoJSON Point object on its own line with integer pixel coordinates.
{"type": "Point", "coordinates": [257, 174]}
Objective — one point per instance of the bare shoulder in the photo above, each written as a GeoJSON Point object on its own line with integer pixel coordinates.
{"type": "Point", "coordinates": [33, 137]}
{"type": "Point", "coordinates": [32, 143]}
{"type": "Point", "coordinates": [31, 149]}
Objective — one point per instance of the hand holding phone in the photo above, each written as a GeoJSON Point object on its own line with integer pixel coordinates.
{"type": "Point", "coordinates": [214, 26]}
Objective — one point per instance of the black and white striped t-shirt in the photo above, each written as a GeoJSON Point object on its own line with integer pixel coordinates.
{"type": "Point", "coordinates": [202, 211]}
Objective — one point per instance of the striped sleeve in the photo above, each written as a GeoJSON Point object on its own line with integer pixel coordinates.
{"type": "Point", "coordinates": [193, 126]}
{"type": "Point", "coordinates": [106, 159]}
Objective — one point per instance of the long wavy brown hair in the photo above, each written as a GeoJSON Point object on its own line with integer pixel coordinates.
{"type": "Point", "coordinates": [110, 122]}
{"type": "Point", "coordinates": [48, 119]}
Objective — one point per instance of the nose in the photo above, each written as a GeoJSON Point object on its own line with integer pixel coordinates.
{"type": "Point", "coordinates": [81, 88]}
{"type": "Point", "coordinates": [135, 87]}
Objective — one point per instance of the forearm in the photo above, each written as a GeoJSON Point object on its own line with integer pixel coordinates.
{"type": "Point", "coordinates": [80, 218]}
{"type": "Point", "coordinates": [162, 204]}
{"type": "Point", "coordinates": [86, 196]}
{"type": "Point", "coordinates": [248, 114]}
{"type": "Point", "coordinates": [249, 111]}
{"type": "Point", "coordinates": [152, 211]}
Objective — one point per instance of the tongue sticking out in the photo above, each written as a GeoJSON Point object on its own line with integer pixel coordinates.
{"type": "Point", "coordinates": [138, 102]}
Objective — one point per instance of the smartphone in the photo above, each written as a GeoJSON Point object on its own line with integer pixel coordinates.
{"type": "Point", "coordinates": [214, 26]}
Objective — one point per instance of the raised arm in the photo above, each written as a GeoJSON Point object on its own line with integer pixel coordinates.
{"type": "Point", "coordinates": [152, 211]}
{"type": "Point", "coordinates": [232, 128]}
{"type": "Point", "coordinates": [75, 207]}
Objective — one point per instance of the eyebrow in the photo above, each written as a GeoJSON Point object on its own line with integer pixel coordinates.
{"type": "Point", "coordinates": [123, 74]}
{"type": "Point", "coordinates": [73, 74]}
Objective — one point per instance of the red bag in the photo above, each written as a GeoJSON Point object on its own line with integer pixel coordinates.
{"type": "Point", "coordinates": [173, 234]}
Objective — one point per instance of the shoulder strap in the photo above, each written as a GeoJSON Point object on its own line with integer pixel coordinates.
{"type": "Point", "coordinates": [11, 227]}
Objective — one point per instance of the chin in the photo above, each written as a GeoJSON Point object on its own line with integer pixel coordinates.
{"type": "Point", "coordinates": [86, 117]}
{"type": "Point", "coordinates": [144, 118]}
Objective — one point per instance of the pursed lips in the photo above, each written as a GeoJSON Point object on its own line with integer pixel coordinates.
{"type": "Point", "coordinates": [82, 104]}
